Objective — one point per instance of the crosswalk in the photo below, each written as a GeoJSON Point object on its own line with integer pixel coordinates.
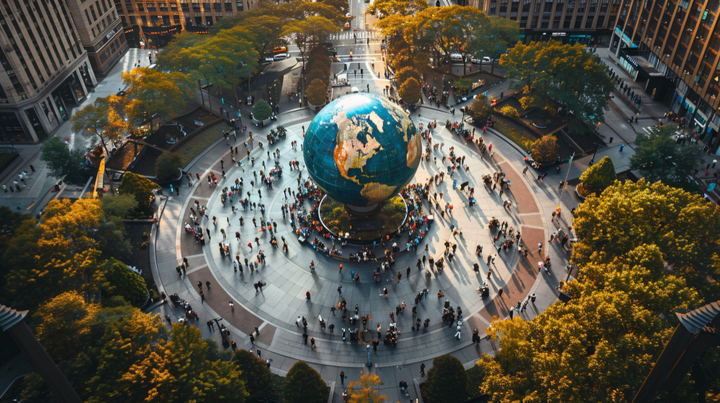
{"type": "Point", "coordinates": [351, 35]}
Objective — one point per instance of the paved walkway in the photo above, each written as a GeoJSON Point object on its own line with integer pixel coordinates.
{"type": "Point", "coordinates": [275, 310]}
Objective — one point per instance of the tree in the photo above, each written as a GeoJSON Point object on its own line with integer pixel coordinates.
{"type": "Point", "coordinates": [660, 158]}
{"type": "Point", "coordinates": [445, 29]}
{"type": "Point", "coordinates": [494, 37]}
{"type": "Point", "coordinates": [102, 119]}
{"type": "Point", "coordinates": [309, 32]}
{"type": "Point", "coordinates": [510, 112]}
{"type": "Point", "coordinates": [304, 385]}
{"type": "Point", "coordinates": [410, 91]}
{"type": "Point", "coordinates": [401, 59]}
{"type": "Point", "coordinates": [154, 93]}
{"type": "Point", "coordinates": [255, 374]}
{"type": "Point", "coordinates": [119, 206]}
{"type": "Point", "coordinates": [446, 381]}
{"type": "Point", "coordinates": [177, 54]}
{"type": "Point", "coordinates": [177, 370]}
{"type": "Point", "coordinates": [596, 178]}
{"type": "Point", "coordinates": [316, 92]}
{"type": "Point", "coordinates": [394, 14]}
{"type": "Point", "coordinates": [63, 162]}
{"type": "Point", "coordinates": [567, 74]}
{"type": "Point", "coordinates": [64, 324]}
{"type": "Point", "coordinates": [119, 280]}
{"type": "Point", "coordinates": [262, 110]}
{"type": "Point", "coordinates": [138, 186]}
{"type": "Point", "coordinates": [404, 73]}
{"type": "Point", "coordinates": [167, 166]}
{"type": "Point", "coordinates": [364, 390]}
{"type": "Point", "coordinates": [480, 108]}
{"type": "Point", "coordinates": [545, 149]}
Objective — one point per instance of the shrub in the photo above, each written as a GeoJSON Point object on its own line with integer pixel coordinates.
{"type": "Point", "coordinates": [317, 92]}
{"type": "Point", "coordinates": [410, 91]}
{"type": "Point", "coordinates": [510, 112]}
{"type": "Point", "coordinates": [545, 149]}
{"type": "Point", "coordinates": [166, 166]}
{"type": "Point", "coordinates": [262, 110]}
{"type": "Point", "coordinates": [596, 178]}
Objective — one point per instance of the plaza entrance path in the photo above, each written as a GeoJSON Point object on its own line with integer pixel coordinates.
{"type": "Point", "coordinates": [274, 310]}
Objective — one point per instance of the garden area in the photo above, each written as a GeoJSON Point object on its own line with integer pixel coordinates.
{"type": "Point", "coordinates": [388, 218]}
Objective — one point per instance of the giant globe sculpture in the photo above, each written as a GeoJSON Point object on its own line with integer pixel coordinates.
{"type": "Point", "coordinates": [361, 150]}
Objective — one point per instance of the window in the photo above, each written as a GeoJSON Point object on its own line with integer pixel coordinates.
{"type": "Point", "coordinates": [141, 7]}
{"type": "Point", "coordinates": [150, 7]}
{"type": "Point", "coordinates": [503, 6]}
{"type": "Point", "coordinates": [143, 20]}
{"type": "Point", "coordinates": [132, 20]}
{"type": "Point", "coordinates": [176, 18]}
{"type": "Point", "coordinates": [163, 7]}
{"type": "Point", "coordinates": [92, 11]}
{"type": "Point", "coordinates": [88, 16]}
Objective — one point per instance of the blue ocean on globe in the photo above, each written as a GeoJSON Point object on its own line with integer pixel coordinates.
{"type": "Point", "coordinates": [362, 149]}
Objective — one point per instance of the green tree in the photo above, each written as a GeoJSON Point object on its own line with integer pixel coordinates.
{"type": "Point", "coordinates": [176, 56]}
{"type": "Point", "coordinates": [494, 37]}
{"type": "Point", "coordinates": [364, 390]}
{"type": "Point", "coordinates": [63, 162]}
{"type": "Point", "coordinates": [404, 73]}
{"type": "Point", "coordinates": [255, 374]}
{"type": "Point", "coordinates": [316, 92]}
{"type": "Point", "coordinates": [304, 385]}
{"type": "Point", "coordinates": [395, 13]}
{"type": "Point", "coordinates": [567, 74]}
{"type": "Point", "coordinates": [119, 280]}
{"type": "Point", "coordinates": [119, 206]}
{"type": "Point", "coordinates": [510, 112]}
{"type": "Point", "coordinates": [155, 93]}
{"type": "Point", "coordinates": [446, 381]}
{"type": "Point", "coordinates": [262, 110]}
{"type": "Point", "coordinates": [660, 158]}
{"type": "Point", "coordinates": [410, 91]}
{"type": "Point", "coordinates": [167, 166]}
{"type": "Point", "coordinates": [545, 149]}
{"type": "Point", "coordinates": [596, 178]}
{"type": "Point", "coordinates": [138, 186]}
{"type": "Point", "coordinates": [480, 108]}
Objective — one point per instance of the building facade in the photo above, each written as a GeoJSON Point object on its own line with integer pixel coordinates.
{"type": "Point", "coordinates": [569, 21]}
{"type": "Point", "coordinates": [673, 49]}
{"type": "Point", "coordinates": [44, 69]}
{"type": "Point", "coordinates": [153, 23]}
{"type": "Point", "coordinates": [101, 32]}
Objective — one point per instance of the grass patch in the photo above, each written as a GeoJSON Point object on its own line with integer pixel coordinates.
{"type": "Point", "coordinates": [6, 159]}
{"type": "Point", "coordinates": [208, 118]}
{"type": "Point", "coordinates": [200, 142]}
{"type": "Point", "coordinates": [516, 133]}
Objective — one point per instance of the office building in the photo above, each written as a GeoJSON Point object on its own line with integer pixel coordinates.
{"type": "Point", "coordinates": [673, 49]}
{"type": "Point", "coordinates": [568, 21]}
{"type": "Point", "coordinates": [44, 69]}
{"type": "Point", "coordinates": [101, 32]}
{"type": "Point", "coordinates": [154, 23]}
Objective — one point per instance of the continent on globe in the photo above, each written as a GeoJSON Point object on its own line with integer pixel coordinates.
{"type": "Point", "coordinates": [360, 149]}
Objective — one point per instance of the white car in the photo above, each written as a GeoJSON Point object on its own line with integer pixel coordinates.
{"type": "Point", "coordinates": [280, 56]}
{"type": "Point", "coordinates": [486, 59]}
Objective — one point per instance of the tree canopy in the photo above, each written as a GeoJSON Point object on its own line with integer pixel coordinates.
{"type": "Point", "coordinates": [167, 166]}
{"type": "Point", "coordinates": [262, 110]}
{"type": "Point", "coordinates": [304, 385]}
{"type": "Point", "coordinates": [599, 176]}
{"type": "Point", "coordinates": [480, 108]}
{"type": "Point", "coordinates": [138, 186]}
{"type": "Point", "coordinates": [660, 158]}
{"type": "Point", "coordinates": [639, 262]}
{"type": "Point", "coordinates": [103, 119]}
{"type": "Point", "coordinates": [255, 374]}
{"type": "Point", "coordinates": [155, 93]}
{"type": "Point", "coordinates": [566, 73]}
{"type": "Point", "coordinates": [309, 32]}
{"type": "Point", "coordinates": [316, 92]}
{"type": "Point", "coordinates": [364, 390]}
{"type": "Point", "coordinates": [410, 91]}
{"type": "Point", "coordinates": [446, 381]}
{"type": "Point", "coordinates": [545, 149]}
{"type": "Point", "coordinates": [65, 163]}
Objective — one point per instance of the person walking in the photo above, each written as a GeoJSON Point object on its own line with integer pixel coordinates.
{"type": "Point", "coordinates": [342, 378]}
{"type": "Point", "coordinates": [312, 343]}
{"type": "Point", "coordinates": [339, 289]}
{"type": "Point", "coordinates": [307, 295]}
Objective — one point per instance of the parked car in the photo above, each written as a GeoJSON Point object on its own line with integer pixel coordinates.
{"type": "Point", "coordinates": [280, 49]}
{"type": "Point", "coordinates": [486, 59]}
{"type": "Point", "coordinates": [280, 56]}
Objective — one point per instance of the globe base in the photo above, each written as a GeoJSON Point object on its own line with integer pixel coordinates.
{"type": "Point", "coordinates": [370, 224]}
{"type": "Point", "coordinates": [362, 210]}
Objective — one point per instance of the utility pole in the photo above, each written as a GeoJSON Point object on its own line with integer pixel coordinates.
{"type": "Point", "coordinates": [565, 182]}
